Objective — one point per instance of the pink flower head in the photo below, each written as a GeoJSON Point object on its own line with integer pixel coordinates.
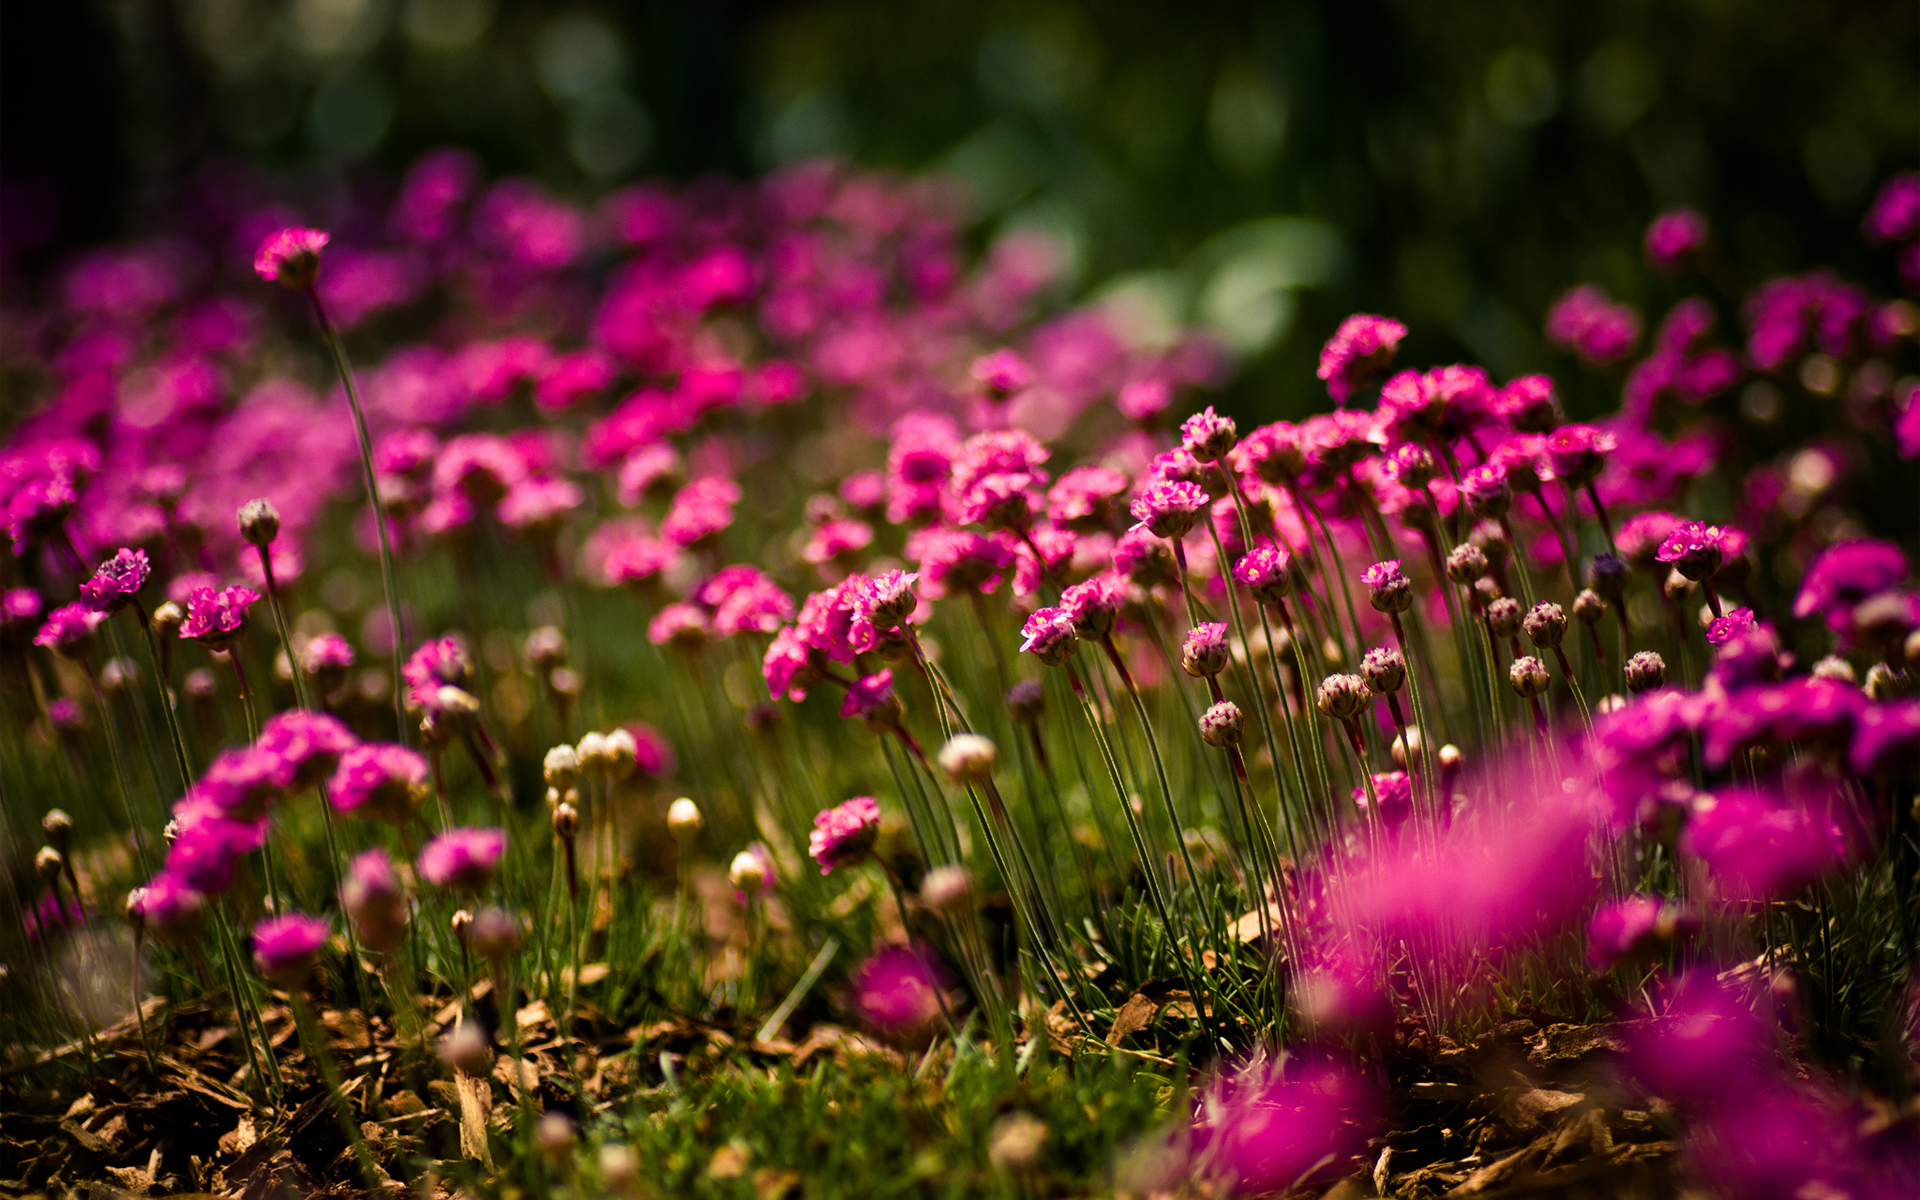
{"type": "Point", "coordinates": [1002, 372]}
{"type": "Point", "coordinates": [637, 561]}
{"type": "Point", "coordinates": [1143, 558]}
{"type": "Point", "coordinates": [1395, 790]}
{"type": "Point", "coordinates": [284, 948]}
{"type": "Point", "coordinates": [1205, 652]}
{"type": "Point", "coordinates": [1274, 452]}
{"type": "Point", "coordinates": [1084, 497]}
{"type": "Point", "coordinates": [113, 586]}
{"type": "Point", "coordinates": [290, 257]}
{"type": "Point", "coordinates": [1529, 404]}
{"type": "Point", "coordinates": [871, 699]}
{"type": "Point", "coordinates": [1169, 509]}
{"type": "Point", "coordinates": [1844, 575]}
{"type": "Point", "coordinates": [538, 507]}
{"type": "Point", "coordinates": [701, 511]}
{"type": "Point", "coordinates": [919, 465]}
{"type": "Point", "coordinates": [216, 617]}
{"type": "Point", "coordinates": [1267, 572]}
{"type": "Point", "coordinates": [169, 910]}
{"type": "Point", "coordinates": [838, 540]}
{"type": "Point", "coordinates": [1335, 441]}
{"type": "Point", "coordinates": [463, 859]}
{"type": "Point", "coordinates": [1760, 846]}
{"type": "Point", "coordinates": [681, 626]}
{"type": "Point", "coordinates": [1275, 1127]}
{"type": "Point", "coordinates": [1486, 491]}
{"type": "Point", "coordinates": [842, 835]}
{"type": "Point", "coordinates": [1362, 348]}
{"type": "Point", "coordinates": [19, 607]}
{"type": "Point", "coordinates": [1144, 399]}
{"type": "Point", "coordinates": [1693, 548]}
{"type": "Point", "coordinates": [1724, 629]}
{"type": "Point", "coordinates": [788, 666]}
{"type": "Point", "coordinates": [69, 630]}
{"type": "Point", "coordinates": [1577, 453]}
{"type": "Point", "coordinates": [1886, 739]}
{"type": "Point", "coordinates": [479, 467]}
{"type": "Point", "coordinates": [1049, 636]}
{"type": "Point", "coordinates": [829, 622]}
{"type": "Point", "coordinates": [897, 991]}
{"type": "Point", "coordinates": [1895, 214]}
{"type": "Point", "coordinates": [240, 783]}
{"type": "Point", "coordinates": [962, 560]}
{"type": "Point", "coordinates": [326, 653]}
{"type": "Point", "coordinates": [885, 601]}
{"type": "Point", "coordinates": [1093, 605]}
{"type": "Point", "coordinates": [743, 600]}
{"type": "Point", "coordinates": [647, 470]}
{"type": "Point", "coordinates": [1673, 237]}
{"type": "Point", "coordinates": [304, 746]}
{"type": "Point", "coordinates": [1207, 436]}
{"type": "Point", "coordinates": [376, 901]}
{"type": "Point", "coordinates": [1631, 927]}
{"type": "Point", "coordinates": [439, 662]}
{"type": "Point", "coordinates": [1642, 534]}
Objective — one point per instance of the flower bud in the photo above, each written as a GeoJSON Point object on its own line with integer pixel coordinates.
{"type": "Point", "coordinates": [1383, 669]}
{"type": "Point", "coordinates": [1503, 617]}
{"type": "Point", "coordinates": [546, 648]}
{"type": "Point", "coordinates": [1645, 672]}
{"type": "Point", "coordinates": [1529, 677]}
{"type": "Point", "coordinates": [948, 890]}
{"type": "Point", "coordinates": [1208, 436]}
{"type": "Point", "coordinates": [1406, 746]}
{"type": "Point", "coordinates": [1222, 725]}
{"type": "Point", "coordinates": [1026, 700]}
{"type": "Point", "coordinates": [969, 758]}
{"type": "Point", "coordinates": [495, 933]}
{"type": "Point", "coordinates": [1912, 650]}
{"type": "Point", "coordinates": [58, 827]}
{"type": "Point", "coordinates": [1546, 624]}
{"type": "Point", "coordinates": [466, 1049]}
{"type": "Point", "coordinates": [1609, 576]}
{"type": "Point", "coordinates": [1588, 607]}
{"type": "Point", "coordinates": [554, 1138]}
{"type": "Point", "coordinates": [748, 873]}
{"type": "Point", "coordinates": [1342, 697]}
{"type": "Point", "coordinates": [684, 820]}
{"type": "Point", "coordinates": [1490, 538]}
{"type": "Point", "coordinates": [562, 767]}
{"type": "Point", "coordinates": [1388, 588]}
{"type": "Point", "coordinates": [1612, 702]}
{"type": "Point", "coordinates": [566, 821]}
{"type": "Point", "coordinates": [593, 753]}
{"type": "Point", "coordinates": [1016, 1142]}
{"type": "Point", "coordinates": [166, 620]}
{"type": "Point", "coordinates": [619, 1168]}
{"type": "Point", "coordinates": [1467, 563]}
{"type": "Point", "coordinates": [1450, 757]}
{"type": "Point", "coordinates": [50, 864]}
{"type": "Point", "coordinates": [1834, 667]}
{"type": "Point", "coordinates": [118, 675]}
{"type": "Point", "coordinates": [460, 922]}
{"type": "Point", "coordinates": [1883, 684]}
{"type": "Point", "coordinates": [1412, 466]}
{"type": "Point", "coordinates": [622, 753]}
{"type": "Point", "coordinates": [1677, 586]}
{"type": "Point", "coordinates": [259, 522]}
{"type": "Point", "coordinates": [1205, 652]}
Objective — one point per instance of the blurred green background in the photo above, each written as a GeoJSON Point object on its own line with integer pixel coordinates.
{"type": "Point", "coordinates": [1262, 169]}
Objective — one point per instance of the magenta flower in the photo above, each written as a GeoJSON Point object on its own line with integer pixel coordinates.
{"type": "Point", "coordinates": [1722, 630]}
{"type": "Point", "coordinates": [1673, 237]}
{"type": "Point", "coordinates": [1642, 535]}
{"type": "Point", "coordinates": [700, 512]}
{"type": "Point", "coordinates": [1049, 636]}
{"type": "Point", "coordinates": [1895, 214]}
{"type": "Point", "coordinates": [1275, 1127]}
{"type": "Point", "coordinates": [1084, 498]}
{"type": "Point", "coordinates": [1360, 349]}
{"type": "Point", "coordinates": [1094, 604]}
{"type": "Point", "coordinates": [1632, 927]}
{"type": "Point", "coordinates": [69, 630]}
{"type": "Point", "coordinates": [788, 666]}
{"type": "Point", "coordinates": [1267, 572]}
{"type": "Point", "coordinates": [216, 617]}
{"type": "Point", "coordinates": [1693, 548]}
{"type": "Point", "coordinates": [637, 560]}
{"type": "Point", "coordinates": [680, 625]}
{"type": "Point", "coordinates": [871, 699]}
{"type": "Point", "coordinates": [838, 540]}
{"type": "Point", "coordinates": [1844, 575]}
{"type": "Point", "coordinates": [897, 991]}
{"type": "Point", "coordinates": [995, 470]}
{"type": "Point", "coordinates": [439, 662]}
{"type": "Point", "coordinates": [376, 901]}
{"type": "Point", "coordinates": [290, 257]}
{"type": "Point", "coordinates": [304, 746]}
{"type": "Point", "coordinates": [379, 780]}
{"type": "Point", "coordinates": [842, 835]}
{"type": "Point", "coordinates": [1529, 404]}
{"type": "Point", "coordinates": [1762, 847]}
{"type": "Point", "coordinates": [961, 560]}
{"type": "Point", "coordinates": [169, 910]}
{"type": "Point", "coordinates": [19, 608]}
{"type": "Point", "coordinates": [538, 507]}
{"type": "Point", "coordinates": [1169, 509]}
{"type": "Point", "coordinates": [285, 948]}
{"type": "Point", "coordinates": [1886, 739]}
{"type": "Point", "coordinates": [1207, 436]}
{"type": "Point", "coordinates": [327, 654]}
{"type": "Point", "coordinates": [1144, 399]}
{"type": "Point", "coordinates": [885, 601]}
{"type": "Point", "coordinates": [463, 859]}
{"type": "Point", "coordinates": [1586, 322]}
{"type": "Point", "coordinates": [1395, 789]}
{"type": "Point", "coordinates": [744, 600]}
{"type": "Point", "coordinates": [1205, 652]}
{"type": "Point", "coordinates": [1577, 453]}
{"type": "Point", "coordinates": [241, 783]}
{"type": "Point", "coordinates": [113, 586]}
{"type": "Point", "coordinates": [1003, 372]}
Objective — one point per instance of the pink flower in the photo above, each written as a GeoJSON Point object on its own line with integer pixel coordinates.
{"type": "Point", "coordinates": [1049, 636]}
{"type": "Point", "coordinates": [1694, 548]}
{"type": "Point", "coordinates": [376, 901]}
{"type": "Point", "coordinates": [290, 257]}
{"type": "Point", "coordinates": [538, 506]}
{"type": "Point", "coordinates": [304, 746]}
{"type": "Point", "coordinates": [1724, 629]}
{"type": "Point", "coordinates": [463, 859]}
{"type": "Point", "coordinates": [1084, 497]}
{"type": "Point", "coordinates": [1578, 453]}
{"type": "Point", "coordinates": [285, 948]}
{"type": "Point", "coordinates": [885, 601]}
{"type": "Point", "coordinates": [378, 779]}
{"type": "Point", "coordinates": [842, 835]}
{"type": "Point", "coordinates": [1271, 1128]}
{"type": "Point", "coordinates": [872, 699]}
{"type": "Point", "coordinates": [744, 600]}
{"type": "Point", "coordinates": [1763, 847]}
{"type": "Point", "coordinates": [439, 662]}
{"type": "Point", "coordinates": [788, 666]}
{"type": "Point", "coordinates": [1529, 404]}
{"type": "Point", "coordinates": [1360, 349]}
{"type": "Point", "coordinates": [1632, 926]}
{"type": "Point", "coordinates": [1144, 399]}
{"type": "Point", "coordinates": [216, 617]}
{"type": "Point", "coordinates": [897, 991]}
{"type": "Point", "coordinates": [1895, 214]}
{"type": "Point", "coordinates": [1094, 604]}
{"type": "Point", "coordinates": [1169, 509]}
{"type": "Point", "coordinates": [169, 910]}
{"type": "Point", "coordinates": [69, 630]}
{"type": "Point", "coordinates": [700, 512]}
{"type": "Point", "coordinates": [114, 585]}
{"type": "Point", "coordinates": [646, 470]}
{"type": "Point", "coordinates": [1002, 372]}
{"type": "Point", "coordinates": [840, 539]}
{"type": "Point", "coordinates": [962, 560]}
{"type": "Point", "coordinates": [326, 654]}
{"type": "Point", "coordinates": [1673, 237]}
{"type": "Point", "coordinates": [681, 626]}
{"type": "Point", "coordinates": [1207, 436]}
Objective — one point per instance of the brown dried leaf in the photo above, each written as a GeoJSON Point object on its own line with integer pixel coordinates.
{"type": "Point", "coordinates": [1136, 1014]}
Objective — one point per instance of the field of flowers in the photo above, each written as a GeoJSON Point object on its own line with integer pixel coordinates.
{"type": "Point", "coordinates": [736, 692]}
